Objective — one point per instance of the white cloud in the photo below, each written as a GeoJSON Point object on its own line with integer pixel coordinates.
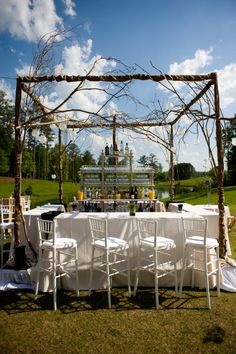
{"type": "Point", "coordinates": [201, 59]}
{"type": "Point", "coordinates": [197, 64]}
{"type": "Point", "coordinates": [24, 70]}
{"type": "Point", "coordinates": [29, 19]}
{"type": "Point", "coordinates": [69, 7]}
{"type": "Point", "coordinates": [227, 85]}
{"type": "Point", "coordinates": [7, 89]}
{"type": "Point", "coordinates": [78, 60]}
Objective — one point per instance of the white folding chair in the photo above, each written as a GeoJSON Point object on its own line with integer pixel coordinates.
{"type": "Point", "coordinates": [55, 255]}
{"type": "Point", "coordinates": [156, 254]}
{"type": "Point", "coordinates": [27, 202]}
{"type": "Point", "coordinates": [112, 254]}
{"type": "Point", "coordinates": [7, 223]}
{"type": "Point", "coordinates": [204, 253]}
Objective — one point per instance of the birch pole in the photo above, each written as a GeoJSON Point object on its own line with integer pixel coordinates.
{"type": "Point", "coordinates": [220, 172]}
{"type": "Point", "coordinates": [60, 177]}
{"type": "Point", "coordinates": [171, 164]}
{"type": "Point", "coordinates": [18, 158]}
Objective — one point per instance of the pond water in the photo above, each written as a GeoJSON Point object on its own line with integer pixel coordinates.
{"type": "Point", "coordinates": [164, 193]}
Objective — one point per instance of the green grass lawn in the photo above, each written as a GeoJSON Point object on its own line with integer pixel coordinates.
{"type": "Point", "coordinates": [43, 191]}
{"type": "Point", "coordinates": [133, 325]}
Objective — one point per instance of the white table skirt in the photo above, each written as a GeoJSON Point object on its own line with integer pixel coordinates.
{"type": "Point", "coordinates": [76, 225]}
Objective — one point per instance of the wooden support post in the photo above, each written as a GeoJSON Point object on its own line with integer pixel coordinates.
{"type": "Point", "coordinates": [171, 165]}
{"type": "Point", "coordinates": [220, 172]}
{"type": "Point", "coordinates": [60, 177]}
{"type": "Point", "coordinates": [114, 140]}
{"type": "Point", "coordinates": [18, 158]}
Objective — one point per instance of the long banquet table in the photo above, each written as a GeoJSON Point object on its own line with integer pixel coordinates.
{"type": "Point", "coordinates": [120, 224]}
{"type": "Point", "coordinates": [76, 225]}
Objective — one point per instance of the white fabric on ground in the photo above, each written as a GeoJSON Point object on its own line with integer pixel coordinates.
{"type": "Point", "coordinates": [15, 279]}
{"type": "Point", "coordinates": [229, 279]}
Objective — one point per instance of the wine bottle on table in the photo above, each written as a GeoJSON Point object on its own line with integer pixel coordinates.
{"type": "Point", "coordinates": [132, 193]}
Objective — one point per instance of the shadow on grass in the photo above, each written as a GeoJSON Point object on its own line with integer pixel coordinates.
{"type": "Point", "coordinates": [15, 301]}
{"type": "Point", "coordinates": [215, 334]}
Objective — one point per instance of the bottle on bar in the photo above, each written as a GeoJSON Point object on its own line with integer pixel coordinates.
{"type": "Point", "coordinates": [111, 149]}
{"type": "Point", "coordinates": [121, 147]}
{"type": "Point", "coordinates": [126, 149]}
{"type": "Point", "coordinates": [132, 193]}
{"type": "Point", "coordinates": [135, 193]}
{"type": "Point", "coordinates": [106, 149]}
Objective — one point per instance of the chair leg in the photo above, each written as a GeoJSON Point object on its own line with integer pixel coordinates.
{"type": "Point", "coordinates": [137, 273]}
{"type": "Point", "coordinates": [91, 271]}
{"type": "Point", "coordinates": [128, 275]}
{"type": "Point", "coordinates": [156, 279]}
{"type": "Point", "coordinates": [207, 280]}
{"type": "Point", "coordinates": [182, 273]}
{"type": "Point", "coordinates": [156, 288]}
{"type": "Point", "coordinates": [38, 274]}
{"type": "Point", "coordinates": [108, 280]}
{"type": "Point", "coordinates": [76, 271]}
{"type": "Point", "coordinates": [176, 275]}
{"type": "Point", "coordinates": [218, 271]}
{"type": "Point", "coordinates": [54, 281]}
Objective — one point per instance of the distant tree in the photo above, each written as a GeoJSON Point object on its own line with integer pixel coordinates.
{"type": "Point", "coordinates": [162, 176]}
{"type": "Point", "coordinates": [4, 162]}
{"type": "Point", "coordinates": [183, 171]}
{"type": "Point", "coordinates": [152, 161]}
{"type": "Point", "coordinates": [143, 161]}
{"type": "Point", "coordinates": [6, 134]}
{"type": "Point", "coordinates": [87, 158]}
{"type": "Point", "coordinates": [74, 161]}
{"type": "Point", "coordinates": [230, 152]}
{"type": "Point", "coordinates": [28, 165]}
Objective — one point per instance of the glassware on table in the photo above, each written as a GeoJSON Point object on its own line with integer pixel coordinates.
{"type": "Point", "coordinates": [180, 208]}
{"type": "Point", "coordinates": [151, 194]}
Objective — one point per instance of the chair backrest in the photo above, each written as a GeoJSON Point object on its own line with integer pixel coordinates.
{"type": "Point", "coordinates": [98, 228]}
{"type": "Point", "coordinates": [27, 201]}
{"type": "Point", "coordinates": [7, 213]}
{"type": "Point", "coordinates": [148, 228]}
{"type": "Point", "coordinates": [160, 207]}
{"type": "Point", "coordinates": [24, 202]}
{"type": "Point", "coordinates": [46, 230]}
{"type": "Point", "coordinates": [195, 227]}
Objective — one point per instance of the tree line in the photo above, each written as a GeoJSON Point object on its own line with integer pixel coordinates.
{"type": "Point", "coordinates": [40, 158]}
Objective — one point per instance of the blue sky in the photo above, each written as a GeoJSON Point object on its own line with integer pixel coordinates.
{"type": "Point", "coordinates": [184, 36]}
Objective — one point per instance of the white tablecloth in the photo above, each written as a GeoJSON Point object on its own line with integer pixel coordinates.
{"type": "Point", "coordinates": [76, 225]}
{"type": "Point", "coordinates": [214, 207]}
